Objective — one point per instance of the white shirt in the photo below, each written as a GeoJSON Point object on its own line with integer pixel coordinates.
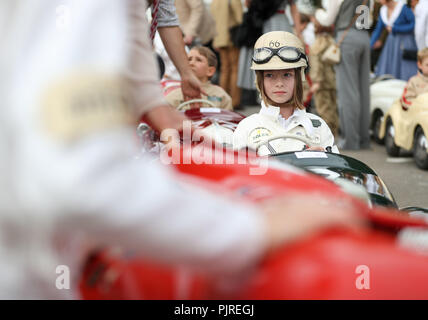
{"type": "Point", "coordinates": [394, 15]}
{"type": "Point", "coordinates": [171, 72]}
{"type": "Point", "coordinates": [309, 34]}
{"type": "Point", "coordinates": [269, 123]}
{"type": "Point", "coordinates": [327, 16]}
{"type": "Point", "coordinates": [68, 187]}
{"type": "Point", "coordinates": [421, 24]}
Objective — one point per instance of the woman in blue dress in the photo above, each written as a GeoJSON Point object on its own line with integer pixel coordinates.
{"type": "Point", "coordinates": [399, 20]}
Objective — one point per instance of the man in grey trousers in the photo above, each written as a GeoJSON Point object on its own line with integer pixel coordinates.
{"type": "Point", "coordinates": [352, 73]}
{"type": "Point", "coordinates": [353, 90]}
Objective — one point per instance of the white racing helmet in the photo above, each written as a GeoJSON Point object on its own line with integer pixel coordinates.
{"type": "Point", "coordinates": [279, 50]}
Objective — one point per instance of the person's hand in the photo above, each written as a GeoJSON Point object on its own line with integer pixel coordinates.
{"type": "Point", "coordinates": [315, 149]}
{"type": "Point", "coordinates": [315, 22]}
{"type": "Point", "coordinates": [389, 29]}
{"type": "Point", "coordinates": [188, 40]}
{"type": "Point", "coordinates": [313, 19]}
{"type": "Point", "coordinates": [191, 88]}
{"type": "Point", "coordinates": [165, 117]}
{"type": "Point", "coordinates": [378, 44]}
{"type": "Point", "coordinates": [298, 34]}
{"type": "Point", "coordinates": [315, 87]}
{"type": "Point", "coordinates": [300, 215]}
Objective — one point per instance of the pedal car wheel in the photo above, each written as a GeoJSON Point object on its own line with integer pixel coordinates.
{"type": "Point", "coordinates": [377, 122]}
{"type": "Point", "coordinates": [420, 149]}
{"type": "Point", "coordinates": [391, 148]}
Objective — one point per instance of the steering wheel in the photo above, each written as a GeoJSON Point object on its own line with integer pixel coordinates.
{"type": "Point", "coordinates": [266, 141]}
{"type": "Point", "coordinates": [182, 105]}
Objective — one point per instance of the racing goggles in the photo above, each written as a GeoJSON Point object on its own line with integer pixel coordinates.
{"type": "Point", "coordinates": [286, 54]}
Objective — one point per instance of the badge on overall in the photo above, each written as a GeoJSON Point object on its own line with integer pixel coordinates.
{"type": "Point", "coordinates": [256, 135]}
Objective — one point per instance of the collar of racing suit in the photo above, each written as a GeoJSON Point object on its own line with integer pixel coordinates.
{"type": "Point", "coordinates": [298, 117]}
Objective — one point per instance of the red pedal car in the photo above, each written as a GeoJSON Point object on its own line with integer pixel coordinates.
{"type": "Point", "coordinates": [335, 264]}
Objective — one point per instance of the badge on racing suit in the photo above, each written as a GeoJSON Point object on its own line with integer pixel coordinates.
{"type": "Point", "coordinates": [256, 135]}
{"type": "Point", "coordinates": [83, 103]}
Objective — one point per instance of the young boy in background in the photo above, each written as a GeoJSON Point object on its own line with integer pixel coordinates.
{"type": "Point", "coordinates": [203, 63]}
{"type": "Point", "coordinates": [417, 84]}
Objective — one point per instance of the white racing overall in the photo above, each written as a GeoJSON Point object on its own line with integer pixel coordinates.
{"type": "Point", "coordinates": [269, 123]}
{"type": "Point", "coordinates": [70, 182]}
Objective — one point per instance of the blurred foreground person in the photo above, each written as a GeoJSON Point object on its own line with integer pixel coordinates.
{"type": "Point", "coordinates": [76, 74]}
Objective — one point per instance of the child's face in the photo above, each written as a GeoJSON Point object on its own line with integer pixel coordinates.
{"type": "Point", "coordinates": [279, 84]}
{"type": "Point", "coordinates": [423, 66]}
{"type": "Point", "coordinates": [199, 65]}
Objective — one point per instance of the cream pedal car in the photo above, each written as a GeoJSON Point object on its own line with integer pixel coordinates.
{"type": "Point", "coordinates": [383, 92]}
{"type": "Point", "coordinates": [407, 130]}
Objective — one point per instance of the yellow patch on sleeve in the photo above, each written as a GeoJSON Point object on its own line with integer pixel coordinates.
{"type": "Point", "coordinates": [84, 103]}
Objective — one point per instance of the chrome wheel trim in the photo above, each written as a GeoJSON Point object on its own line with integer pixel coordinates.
{"type": "Point", "coordinates": [421, 146]}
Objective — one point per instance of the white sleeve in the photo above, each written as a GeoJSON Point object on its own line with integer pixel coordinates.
{"type": "Point", "coordinates": [419, 26]}
{"type": "Point", "coordinates": [327, 17]}
{"type": "Point", "coordinates": [139, 205]}
{"type": "Point", "coordinates": [425, 29]}
{"type": "Point", "coordinates": [240, 135]}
